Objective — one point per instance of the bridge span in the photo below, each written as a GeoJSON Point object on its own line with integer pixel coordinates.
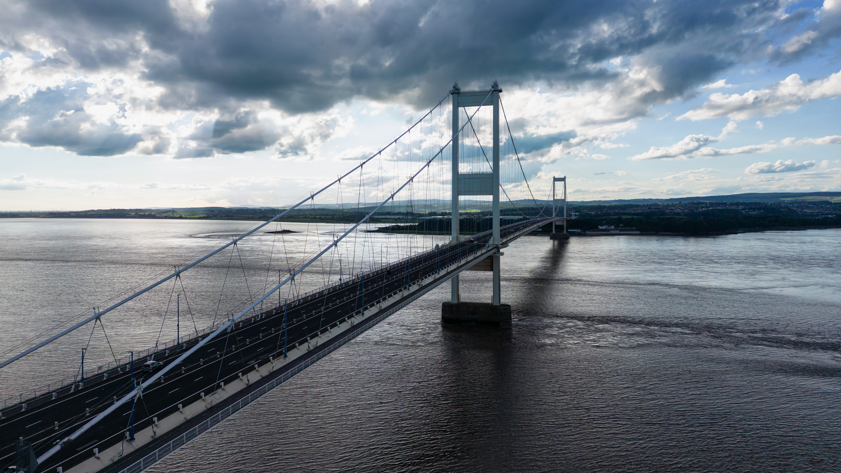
{"type": "Point", "coordinates": [257, 354]}
{"type": "Point", "coordinates": [129, 415]}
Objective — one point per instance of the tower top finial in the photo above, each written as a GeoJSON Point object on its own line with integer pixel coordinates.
{"type": "Point", "coordinates": [456, 88]}
{"type": "Point", "coordinates": [495, 86]}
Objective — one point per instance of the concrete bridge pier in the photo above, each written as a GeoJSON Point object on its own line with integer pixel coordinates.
{"type": "Point", "coordinates": [494, 314]}
{"type": "Point", "coordinates": [476, 313]}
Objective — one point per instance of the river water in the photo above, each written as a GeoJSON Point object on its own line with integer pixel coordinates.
{"type": "Point", "coordinates": [627, 353]}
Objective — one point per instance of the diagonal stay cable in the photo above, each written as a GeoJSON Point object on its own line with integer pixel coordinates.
{"type": "Point", "coordinates": [491, 166]}
{"type": "Point", "coordinates": [187, 300]}
{"type": "Point", "coordinates": [511, 136]}
{"type": "Point", "coordinates": [222, 290]}
{"type": "Point", "coordinates": [216, 251]}
{"type": "Point", "coordinates": [81, 366]}
{"type": "Point", "coordinates": [233, 320]}
{"type": "Point", "coordinates": [245, 276]}
{"type": "Point", "coordinates": [169, 302]}
{"type": "Point", "coordinates": [102, 324]}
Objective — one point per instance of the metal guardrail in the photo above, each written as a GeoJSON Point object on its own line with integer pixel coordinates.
{"type": "Point", "coordinates": [27, 396]}
{"type": "Point", "coordinates": [193, 433]}
{"type": "Point", "coordinates": [91, 372]}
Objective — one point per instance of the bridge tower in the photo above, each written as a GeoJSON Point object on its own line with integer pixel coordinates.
{"type": "Point", "coordinates": [474, 313]}
{"type": "Point", "coordinates": [555, 208]}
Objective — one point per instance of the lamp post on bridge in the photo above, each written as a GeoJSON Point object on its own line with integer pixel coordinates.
{"type": "Point", "coordinates": [178, 322]}
{"type": "Point", "coordinates": [133, 384]}
{"type": "Point", "coordinates": [285, 326]}
{"type": "Point", "coordinates": [82, 377]}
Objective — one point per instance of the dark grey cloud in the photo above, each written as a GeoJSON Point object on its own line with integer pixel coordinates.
{"type": "Point", "coordinates": [529, 143]}
{"type": "Point", "coordinates": [305, 57]}
{"type": "Point", "coordinates": [814, 30]}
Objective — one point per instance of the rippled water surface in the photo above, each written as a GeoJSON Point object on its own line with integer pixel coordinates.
{"type": "Point", "coordinates": [626, 354]}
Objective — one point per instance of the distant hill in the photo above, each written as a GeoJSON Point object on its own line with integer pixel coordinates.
{"type": "Point", "coordinates": [767, 198]}
{"type": "Point", "coordinates": [435, 205]}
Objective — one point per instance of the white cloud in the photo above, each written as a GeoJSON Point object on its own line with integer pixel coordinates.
{"type": "Point", "coordinates": [684, 147]}
{"type": "Point", "coordinates": [787, 95]}
{"type": "Point", "coordinates": [612, 145]}
{"type": "Point", "coordinates": [692, 175]}
{"type": "Point", "coordinates": [14, 184]}
{"type": "Point", "coordinates": [799, 43]}
{"type": "Point", "coordinates": [180, 187]}
{"type": "Point", "coordinates": [585, 154]}
{"type": "Point", "coordinates": [729, 128]}
{"type": "Point", "coordinates": [817, 34]}
{"type": "Point", "coordinates": [23, 182]}
{"type": "Point", "coordinates": [722, 84]}
{"type": "Point", "coordinates": [750, 149]}
{"type": "Point", "coordinates": [826, 140]}
{"type": "Point", "coordinates": [759, 125]}
{"type": "Point", "coordinates": [780, 166]}
{"type": "Point", "coordinates": [693, 146]}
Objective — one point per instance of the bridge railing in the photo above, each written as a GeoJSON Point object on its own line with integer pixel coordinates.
{"type": "Point", "coordinates": [27, 396]}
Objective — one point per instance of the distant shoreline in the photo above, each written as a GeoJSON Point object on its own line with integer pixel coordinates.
{"type": "Point", "coordinates": [694, 218]}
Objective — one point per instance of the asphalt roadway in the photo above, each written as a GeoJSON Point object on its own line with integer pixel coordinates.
{"type": "Point", "coordinates": [253, 340]}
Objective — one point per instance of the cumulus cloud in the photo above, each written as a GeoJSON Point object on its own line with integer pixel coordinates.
{"type": "Point", "coordinates": [817, 34]}
{"type": "Point", "coordinates": [692, 175]}
{"type": "Point", "coordinates": [186, 187]}
{"type": "Point", "coordinates": [787, 95]}
{"type": "Point", "coordinates": [14, 184]}
{"type": "Point", "coordinates": [721, 84]}
{"type": "Point", "coordinates": [729, 128]}
{"type": "Point", "coordinates": [684, 147]}
{"type": "Point", "coordinates": [612, 145]}
{"type": "Point", "coordinates": [237, 72]}
{"type": "Point", "coordinates": [826, 140]}
{"type": "Point", "coordinates": [584, 153]}
{"type": "Point", "coordinates": [780, 166]}
{"type": "Point", "coordinates": [697, 146]}
{"type": "Point", "coordinates": [23, 182]}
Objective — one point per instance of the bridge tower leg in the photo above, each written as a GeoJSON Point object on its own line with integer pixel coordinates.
{"type": "Point", "coordinates": [454, 221]}
{"type": "Point", "coordinates": [476, 313]}
{"type": "Point", "coordinates": [496, 237]}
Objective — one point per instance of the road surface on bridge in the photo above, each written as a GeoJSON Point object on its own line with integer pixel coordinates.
{"type": "Point", "coordinates": [46, 420]}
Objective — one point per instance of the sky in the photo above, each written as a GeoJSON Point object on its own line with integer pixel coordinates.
{"type": "Point", "coordinates": [190, 103]}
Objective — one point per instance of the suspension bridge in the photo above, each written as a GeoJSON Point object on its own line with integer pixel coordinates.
{"type": "Point", "coordinates": [454, 173]}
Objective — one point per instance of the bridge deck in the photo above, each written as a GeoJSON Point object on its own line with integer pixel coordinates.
{"type": "Point", "coordinates": [366, 299]}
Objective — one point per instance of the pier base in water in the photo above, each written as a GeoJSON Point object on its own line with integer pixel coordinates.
{"type": "Point", "coordinates": [476, 313]}
{"type": "Point", "coordinates": [559, 236]}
